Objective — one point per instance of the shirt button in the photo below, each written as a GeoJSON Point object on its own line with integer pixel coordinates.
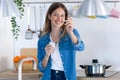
{"type": "Point", "coordinates": [65, 71]}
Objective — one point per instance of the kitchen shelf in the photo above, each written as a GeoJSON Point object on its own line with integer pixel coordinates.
{"type": "Point", "coordinates": [48, 2]}
{"type": "Point", "coordinates": [64, 2]}
{"type": "Point", "coordinates": [51, 2]}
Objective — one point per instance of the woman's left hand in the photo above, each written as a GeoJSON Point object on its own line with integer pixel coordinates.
{"type": "Point", "coordinates": [69, 25]}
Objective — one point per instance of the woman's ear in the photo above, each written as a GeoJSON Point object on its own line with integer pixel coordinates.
{"type": "Point", "coordinates": [49, 17]}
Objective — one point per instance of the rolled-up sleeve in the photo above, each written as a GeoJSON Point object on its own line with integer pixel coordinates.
{"type": "Point", "coordinates": [80, 45]}
{"type": "Point", "coordinates": [40, 57]}
{"type": "Point", "coordinates": [40, 67]}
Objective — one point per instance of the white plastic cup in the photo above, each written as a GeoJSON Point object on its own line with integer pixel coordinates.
{"type": "Point", "coordinates": [52, 43]}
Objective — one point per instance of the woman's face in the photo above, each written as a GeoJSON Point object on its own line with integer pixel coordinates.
{"type": "Point", "coordinates": [57, 18]}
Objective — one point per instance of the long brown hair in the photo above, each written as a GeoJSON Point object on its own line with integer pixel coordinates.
{"type": "Point", "coordinates": [52, 8]}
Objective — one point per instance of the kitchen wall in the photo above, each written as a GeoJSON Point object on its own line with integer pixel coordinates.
{"type": "Point", "coordinates": [6, 44]}
{"type": "Point", "coordinates": [101, 38]}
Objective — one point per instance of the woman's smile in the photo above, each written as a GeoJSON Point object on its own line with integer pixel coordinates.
{"type": "Point", "coordinates": [58, 17]}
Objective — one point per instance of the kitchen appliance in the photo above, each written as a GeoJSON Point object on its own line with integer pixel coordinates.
{"type": "Point", "coordinates": [41, 20]}
{"type": "Point", "coordinates": [95, 69]}
{"type": "Point", "coordinates": [28, 33]}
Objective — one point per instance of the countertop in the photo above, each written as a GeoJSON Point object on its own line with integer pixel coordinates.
{"type": "Point", "coordinates": [26, 75]}
{"type": "Point", "coordinates": [110, 75]}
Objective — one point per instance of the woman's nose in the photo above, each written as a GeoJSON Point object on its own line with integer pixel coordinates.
{"type": "Point", "coordinates": [59, 17]}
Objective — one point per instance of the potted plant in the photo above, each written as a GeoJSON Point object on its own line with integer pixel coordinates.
{"type": "Point", "coordinates": [15, 27]}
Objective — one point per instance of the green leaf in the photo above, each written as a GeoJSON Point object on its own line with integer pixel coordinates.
{"type": "Point", "coordinates": [15, 27]}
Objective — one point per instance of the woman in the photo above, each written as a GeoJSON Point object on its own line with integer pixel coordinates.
{"type": "Point", "coordinates": [58, 45]}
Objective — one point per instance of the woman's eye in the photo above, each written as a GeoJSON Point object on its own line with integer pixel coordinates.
{"type": "Point", "coordinates": [62, 15]}
{"type": "Point", "coordinates": [56, 15]}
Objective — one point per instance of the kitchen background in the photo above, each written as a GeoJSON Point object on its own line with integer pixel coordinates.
{"type": "Point", "coordinates": [101, 36]}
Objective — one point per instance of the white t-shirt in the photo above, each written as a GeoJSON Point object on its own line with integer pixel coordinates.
{"type": "Point", "coordinates": [56, 58]}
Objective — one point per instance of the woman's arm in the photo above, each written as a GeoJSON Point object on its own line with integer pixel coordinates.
{"type": "Point", "coordinates": [73, 37]}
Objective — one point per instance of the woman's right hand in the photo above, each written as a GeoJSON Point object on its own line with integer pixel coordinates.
{"type": "Point", "coordinates": [49, 49]}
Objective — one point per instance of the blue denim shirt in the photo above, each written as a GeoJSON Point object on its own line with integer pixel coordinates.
{"type": "Point", "coordinates": [68, 55]}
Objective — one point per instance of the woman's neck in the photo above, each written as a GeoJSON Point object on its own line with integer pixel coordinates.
{"type": "Point", "coordinates": [55, 32]}
{"type": "Point", "coordinates": [55, 35]}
